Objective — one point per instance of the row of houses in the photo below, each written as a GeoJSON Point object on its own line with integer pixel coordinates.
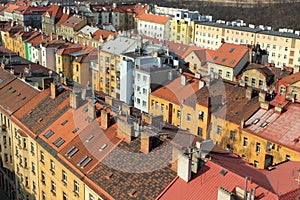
{"type": "Point", "coordinates": [70, 143]}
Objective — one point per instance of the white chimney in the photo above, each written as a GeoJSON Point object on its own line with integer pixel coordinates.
{"type": "Point", "coordinates": [201, 84]}
{"type": "Point", "coordinates": [184, 170]}
{"type": "Point", "coordinates": [183, 80]}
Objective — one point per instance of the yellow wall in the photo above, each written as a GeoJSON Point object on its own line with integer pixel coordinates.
{"type": "Point", "coordinates": [195, 64]}
{"type": "Point", "coordinates": [56, 177]}
{"type": "Point", "coordinates": [257, 75]}
{"type": "Point", "coordinates": [182, 32]}
{"type": "Point", "coordinates": [156, 111]}
{"type": "Point", "coordinates": [224, 69]}
{"type": "Point", "coordinates": [63, 63]}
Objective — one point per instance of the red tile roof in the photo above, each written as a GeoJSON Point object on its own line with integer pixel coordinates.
{"type": "Point", "coordinates": [72, 22]}
{"type": "Point", "coordinates": [11, 8]}
{"type": "Point", "coordinates": [63, 18]}
{"type": "Point", "coordinates": [102, 34]}
{"type": "Point", "coordinates": [154, 18]}
{"type": "Point", "coordinates": [5, 77]}
{"type": "Point", "coordinates": [205, 185]}
{"type": "Point", "coordinates": [15, 95]}
{"type": "Point", "coordinates": [55, 11]}
{"type": "Point", "coordinates": [230, 54]}
{"type": "Point", "coordinates": [175, 92]}
{"type": "Point", "coordinates": [281, 129]}
{"type": "Point", "coordinates": [293, 78]}
{"type": "Point", "coordinates": [181, 50]}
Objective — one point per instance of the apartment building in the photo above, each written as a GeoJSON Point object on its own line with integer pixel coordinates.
{"type": "Point", "coordinates": [182, 27]}
{"type": "Point", "coordinates": [69, 27]}
{"type": "Point", "coordinates": [51, 17]}
{"type": "Point", "coordinates": [228, 61]}
{"type": "Point", "coordinates": [109, 60]}
{"type": "Point", "coordinates": [156, 26]}
{"type": "Point", "coordinates": [281, 45]}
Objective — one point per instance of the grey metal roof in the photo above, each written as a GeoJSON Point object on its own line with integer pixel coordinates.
{"type": "Point", "coordinates": [281, 34]}
{"type": "Point", "coordinates": [241, 28]}
{"type": "Point", "coordinates": [120, 45]}
{"type": "Point", "coordinates": [88, 29]}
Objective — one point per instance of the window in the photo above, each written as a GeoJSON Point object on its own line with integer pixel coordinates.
{"type": "Point", "coordinates": [24, 143]}
{"type": "Point", "coordinates": [64, 177]}
{"type": "Point", "coordinates": [282, 90]}
{"type": "Point", "coordinates": [255, 163]}
{"type": "Point", "coordinates": [138, 88]}
{"type": "Point", "coordinates": [200, 130]}
{"type": "Point", "coordinates": [76, 187]}
{"type": "Point", "coordinates": [32, 148]}
{"type": "Point", "coordinates": [43, 195]}
{"type": "Point", "coordinates": [227, 74]}
{"type": "Point", "coordinates": [43, 177]}
{"type": "Point", "coordinates": [201, 116]}
{"type": "Point", "coordinates": [156, 105]}
{"type": "Point", "coordinates": [287, 157]}
{"type": "Point", "coordinates": [144, 78]}
{"type": "Point", "coordinates": [144, 104]}
{"type": "Point", "coordinates": [246, 79]}
{"type": "Point", "coordinates": [253, 81]}
{"type": "Point", "coordinates": [245, 142]}
{"type": "Point", "coordinates": [162, 107]}
{"type": "Point", "coordinates": [257, 149]}
{"type": "Point", "coordinates": [33, 186]}
{"type": "Point", "coordinates": [42, 158]}
{"type": "Point", "coordinates": [33, 167]}
{"type": "Point", "coordinates": [144, 91]}
{"type": "Point", "coordinates": [260, 83]}
{"type": "Point", "coordinates": [152, 103]}
{"type": "Point", "coordinates": [220, 72]}
{"type": "Point", "coordinates": [91, 197]}
{"type": "Point", "coordinates": [189, 117]}
{"type": "Point", "coordinates": [178, 114]}
{"type": "Point", "coordinates": [65, 197]}
{"type": "Point", "coordinates": [219, 130]}
{"type": "Point", "coordinates": [53, 188]}
{"type": "Point", "coordinates": [52, 167]}
{"type": "Point", "coordinates": [195, 66]}
{"type": "Point", "coordinates": [232, 134]}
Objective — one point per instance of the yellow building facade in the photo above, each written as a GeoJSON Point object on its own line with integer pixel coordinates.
{"type": "Point", "coordinates": [182, 31]}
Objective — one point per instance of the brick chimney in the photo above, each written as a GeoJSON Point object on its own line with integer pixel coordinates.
{"type": "Point", "coordinates": [146, 143]}
{"type": "Point", "coordinates": [249, 93]}
{"type": "Point", "coordinates": [262, 97]}
{"type": "Point", "coordinates": [53, 89]}
{"type": "Point", "coordinates": [108, 100]}
{"type": "Point", "coordinates": [105, 117]}
{"type": "Point", "coordinates": [91, 110]}
{"type": "Point", "coordinates": [46, 83]}
{"type": "Point", "coordinates": [75, 100]}
{"type": "Point", "coordinates": [184, 170]}
{"type": "Point", "coordinates": [125, 130]}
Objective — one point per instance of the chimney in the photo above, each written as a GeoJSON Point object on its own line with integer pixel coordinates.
{"type": "Point", "coordinates": [83, 94]}
{"type": "Point", "coordinates": [249, 92]}
{"type": "Point", "coordinates": [224, 194]}
{"type": "Point", "coordinates": [278, 109]}
{"type": "Point", "coordinates": [91, 110]}
{"type": "Point", "coordinates": [53, 88]}
{"type": "Point", "coordinates": [246, 187]}
{"type": "Point", "coordinates": [105, 117]}
{"type": "Point", "coordinates": [265, 105]}
{"type": "Point", "coordinates": [64, 9]}
{"type": "Point", "coordinates": [68, 10]}
{"type": "Point", "coordinates": [46, 83]}
{"type": "Point", "coordinates": [170, 76]}
{"type": "Point", "coordinates": [250, 53]}
{"type": "Point", "coordinates": [126, 108]}
{"type": "Point", "coordinates": [184, 167]}
{"type": "Point", "coordinates": [243, 123]}
{"type": "Point", "coordinates": [201, 84]}
{"type": "Point", "coordinates": [108, 100]}
{"type": "Point", "coordinates": [146, 143]}
{"type": "Point", "coordinates": [125, 130]}
{"type": "Point", "coordinates": [75, 100]}
{"type": "Point", "coordinates": [183, 80]}
{"type": "Point", "coordinates": [262, 96]}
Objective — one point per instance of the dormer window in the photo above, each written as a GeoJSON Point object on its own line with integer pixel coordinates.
{"type": "Point", "coordinates": [282, 90]}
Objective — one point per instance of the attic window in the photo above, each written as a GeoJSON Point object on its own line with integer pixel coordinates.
{"type": "Point", "coordinates": [87, 161]}
{"type": "Point", "coordinates": [60, 143]}
{"type": "Point", "coordinates": [89, 138]}
{"type": "Point", "coordinates": [255, 121]}
{"type": "Point", "coordinates": [103, 147]}
{"type": "Point", "coordinates": [69, 151]}
{"type": "Point", "coordinates": [57, 140]}
{"type": "Point", "coordinates": [64, 122]}
{"type": "Point", "coordinates": [82, 159]}
{"type": "Point", "coordinates": [223, 60]}
{"type": "Point", "coordinates": [264, 124]}
{"type": "Point", "coordinates": [231, 62]}
{"type": "Point", "coordinates": [223, 172]}
{"type": "Point", "coordinates": [19, 94]}
{"type": "Point", "coordinates": [215, 58]}
{"type": "Point", "coordinates": [231, 50]}
{"type": "Point", "coordinates": [23, 98]}
{"type": "Point", "coordinates": [48, 134]}
{"type": "Point", "coordinates": [75, 130]}
{"type": "Point", "coordinates": [73, 152]}
{"type": "Point", "coordinates": [10, 88]}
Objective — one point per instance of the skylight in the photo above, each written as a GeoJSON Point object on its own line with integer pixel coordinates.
{"type": "Point", "coordinates": [75, 130]}
{"type": "Point", "coordinates": [64, 122]}
{"type": "Point", "coordinates": [86, 162]}
{"type": "Point", "coordinates": [57, 140]}
{"type": "Point", "coordinates": [103, 147]}
{"type": "Point", "coordinates": [82, 159]}
{"type": "Point", "coordinates": [215, 58]}
{"type": "Point", "coordinates": [223, 172]}
{"type": "Point", "coordinates": [264, 124]}
{"type": "Point", "coordinates": [69, 151]}
{"type": "Point", "coordinates": [255, 121]}
{"type": "Point", "coordinates": [231, 62]}
{"type": "Point", "coordinates": [73, 152]}
{"type": "Point", "coordinates": [60, 143]}
{"type": "Point", "coordinates": [89, 138]}
{"type": "Point", "coordinates": [231, 50]}
{"type": "Point", "coordinates": [223, 60]}
{"type": "Point", "coordinates": [48, 134]}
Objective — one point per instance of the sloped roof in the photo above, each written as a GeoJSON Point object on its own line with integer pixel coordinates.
{"type": "Point", "coordinates": [229, 54]}
{"type": "Point", "coordinates": [293, 78]}
{"type": "Point", "coordinates": [55, 11]}
{"type": "Point", "coordinates": [154, 18]}
{"type": "Point", "coordinates": [72, 21]}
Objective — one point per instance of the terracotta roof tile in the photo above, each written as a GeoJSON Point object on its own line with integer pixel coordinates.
{"type": "Point", "coordinates": [291, 78]}
{"type": "Point", "coordinates": [229, 54]}
{"type": "Point", "coordinates": [55, 11]}
{"type": "Point", "coordinates": [206, 183]}
{"type": "Point", "coordinates": [175, 92]}
{"type": "Point", "coordinates": [37, 116]}
{"type": "Point", "coordinates": [154, 18]}
{"type": "Point", "coordinates": [15, 95]}
{"type": "Point", "coordinates": [281, 128]}
{"type": "Point", "coordinates": [102, 34]}
{"type": "Point", "coordinates": [72, 22]}
{"type": "Point", "coordinates": [5, 77]}
{"type": "Point", "coordinates": [63, 18]}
